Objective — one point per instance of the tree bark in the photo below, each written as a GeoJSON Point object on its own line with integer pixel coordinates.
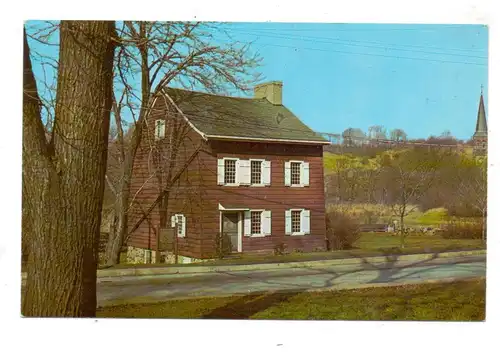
{"type": "Point", "coordinates": [64, 178]}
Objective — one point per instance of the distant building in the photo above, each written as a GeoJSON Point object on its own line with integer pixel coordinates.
{"type": "Point", "coordinates": [480, 138]}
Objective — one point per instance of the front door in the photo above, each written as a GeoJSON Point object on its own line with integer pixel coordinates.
{"type": "Point", "coordinates": [231, 228]}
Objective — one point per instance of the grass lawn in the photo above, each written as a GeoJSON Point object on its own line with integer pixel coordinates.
{"type": "Point", "coordinates": [458, 301]}
{"type": "Point", "coordinates": [382, 242]}
{"type": "Point", "coordinates": [370, 244]}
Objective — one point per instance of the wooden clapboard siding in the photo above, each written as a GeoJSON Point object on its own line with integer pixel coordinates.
{"type": "Point", "coordinates": [187, 195]}
{"type": "Point", "coordinates": [277, 197]}
{"type": "Point", "coordinates": [197, 195]}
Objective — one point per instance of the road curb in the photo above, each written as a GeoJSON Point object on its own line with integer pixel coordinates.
{"type": "Point", "coordinates": [108, 273]}
{"type": "Point", "coordinates": [270, 266]}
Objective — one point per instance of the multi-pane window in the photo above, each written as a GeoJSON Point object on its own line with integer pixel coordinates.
{"type": "Point", "coordinates": [180, 221]}
{"type": "Point", "coordinates": [295, 173]}
{"type": "Point", "coordinates": [255, 222]}
{"type": "Point", "coordinates": [229, 171]}
{"type": "Point", "coordinates": [256, 171]}
{"type": "Point", "coordinates": [296, 220]}
{"type": "Point", "coordinates": [179, 224]}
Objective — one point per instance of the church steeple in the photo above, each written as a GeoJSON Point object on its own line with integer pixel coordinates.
{"type": "Point", "coordinates": [481, 134]}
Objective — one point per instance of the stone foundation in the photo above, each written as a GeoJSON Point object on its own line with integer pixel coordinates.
{"type": "Point", "coordinates": [136, 255]}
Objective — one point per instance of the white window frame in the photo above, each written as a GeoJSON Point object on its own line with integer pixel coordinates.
{"type": "Point", "coordinates": [261, 184]}
{"type": "Point", "coordinates": [175, 223]}
{"type": "Point", "coordinates": [160, 128]}
{"type": "Point", "coordinates": [236, 172]}
{"type": "Point", "coordinates": [260, 234]}
{"type": "Point", "coordinates": [263, 213]}
{"type": "Point", "coordinates": [300, 233]}
{"type": "Point", "coordinates": [302, 180]}
{"type": "Point", "coordinates": [265, 172]}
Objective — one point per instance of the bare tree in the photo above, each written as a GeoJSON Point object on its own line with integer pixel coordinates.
{"type": "Point", "coordinates": [377, 132]}
{"type": "Point", "coordinates": [446, 134]}
{"type": "Point", "coordinates": [63, 177]}
{"type": "Point", "coordinates": [151, 56]}
{"type": "Point", "coordinates": [408, 177]}
{"type": "Point", "coordinates": [165, 53]}
{"type": "Point", "coordinates": [353, 136]}
{"type": "Point", "coordinates": [398, 135]}
{"type": "Point", "coordinates": [473, 186]}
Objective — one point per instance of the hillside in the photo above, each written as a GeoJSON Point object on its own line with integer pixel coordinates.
{"type": "Point", "coordinates": [334, 161]}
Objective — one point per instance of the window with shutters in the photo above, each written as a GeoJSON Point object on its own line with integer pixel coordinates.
{"type": "Point", "coordinates": [179, 225]}
{"type": "Point", "coordinates": [179, 222]}
{"type": "Point", "coordinates": [255, 222]}
{"type": "Point", "coordinates": [243, 172]}
{"type": "Point", "coordinates": [295, 173]}
{"type": "Point", "coordinates": [296, 227]}
{"type": "Point", "coordinates": [297, 222]}
{"type": "Point", "coordinates": [229, 171]}
{"type": "Point", "coordinates": [159, 129]}
{"type": "Point", "coordinates": [256, 171]}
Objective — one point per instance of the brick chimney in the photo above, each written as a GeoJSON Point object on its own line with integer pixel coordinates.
{"type": "Point", "coordinates": [272, 91]}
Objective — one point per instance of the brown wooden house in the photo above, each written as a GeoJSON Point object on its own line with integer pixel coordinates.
{"type": "Point", "coordinates": [210, 164]}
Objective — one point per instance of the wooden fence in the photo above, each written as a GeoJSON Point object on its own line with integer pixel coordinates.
{"type": "Point", "coordinates": [373, 228]}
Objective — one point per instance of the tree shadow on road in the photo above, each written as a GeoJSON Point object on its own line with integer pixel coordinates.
{"type": "Point", "coordinates": [386, 272]}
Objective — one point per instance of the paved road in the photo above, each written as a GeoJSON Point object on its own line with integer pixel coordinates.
{"type": "Point", "coordinates": [166, 287]}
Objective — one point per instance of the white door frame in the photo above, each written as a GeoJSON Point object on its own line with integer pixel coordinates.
{"type": "Point", "coordinates": [240, 226]}
{"type": "Point", "coordinates": [240, 231]}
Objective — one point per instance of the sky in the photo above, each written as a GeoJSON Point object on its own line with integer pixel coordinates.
{"type": "Point", "coordinates": [424, 79]}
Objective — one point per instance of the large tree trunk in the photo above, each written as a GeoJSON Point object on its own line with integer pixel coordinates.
{"type": "Point", "coordinates": [64, 179]}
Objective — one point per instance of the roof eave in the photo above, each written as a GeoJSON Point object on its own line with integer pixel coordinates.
{"type": "Point", "coordinates": [266, 140]}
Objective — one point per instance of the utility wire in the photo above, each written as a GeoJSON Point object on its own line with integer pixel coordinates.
{"type": "Point", "coordinates": [378, 29]}
{"type": "Point", "coordinates": [370, 54]}
{"type": "Point", "coordinates": [353, 43]}
{"type": "Point", "coordinates": [296, 47]}
{"type": "Point", "coordinates": [365, 41]}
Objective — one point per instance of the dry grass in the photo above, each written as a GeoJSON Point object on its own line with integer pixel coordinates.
{"type": "Point", "coordinates": [458, 301]}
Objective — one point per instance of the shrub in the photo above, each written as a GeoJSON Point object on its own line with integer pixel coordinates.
{"type": "Point", "coordinates": [223, 245]}
{"type": "Point", "coordinates": [460, 229]}
{"type": "Point", "coordinates": [280, 249]}
{"type": "Point", "coordinates": [341, 231]}
{"type": "Point", "coordinates": [463, 210]}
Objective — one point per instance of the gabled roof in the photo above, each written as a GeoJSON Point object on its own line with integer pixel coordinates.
{"type": "Point", "coordinates": [223, 117]}
{"type": "Point", "coordinates": [481, 126]}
